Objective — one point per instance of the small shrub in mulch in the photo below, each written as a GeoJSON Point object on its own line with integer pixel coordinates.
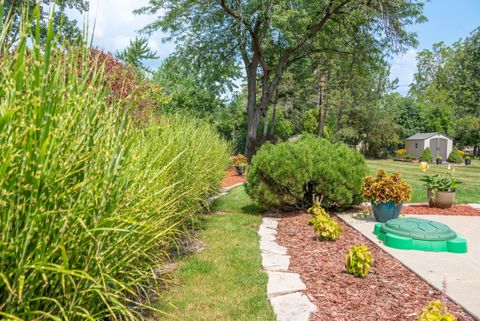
{"type": "Point", "coordinates": [389, 292]}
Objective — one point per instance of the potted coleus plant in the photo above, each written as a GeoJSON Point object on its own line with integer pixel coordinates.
{"type": "Point", "coordinates": [441, 189]}
{"type": "Point", "coordinates": [386, 194]}
{"type": "Point", "coordinates": [240, 163]}
{"type": "Point", "coordinates": [439, 160]}
{"type": "Point", "coordinates": [468, 160]}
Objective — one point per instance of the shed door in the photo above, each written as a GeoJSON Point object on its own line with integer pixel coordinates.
{"type": "Point", "coordinates": [438, 147]}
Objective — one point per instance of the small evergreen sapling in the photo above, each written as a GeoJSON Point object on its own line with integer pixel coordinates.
{"type": "Point", "coordinates": [427, 155]}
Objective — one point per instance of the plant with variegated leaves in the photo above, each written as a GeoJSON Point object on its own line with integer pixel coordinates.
{"type": "Point", "coordinates": [358, 261]}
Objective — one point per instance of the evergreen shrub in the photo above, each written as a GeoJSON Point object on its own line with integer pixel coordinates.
{"type": "Point", "coordinates": [455, 157]}
{"type": "Point", "coordinates": [426, 155]}
{"type": "Point", "coordinates": [296, 173]}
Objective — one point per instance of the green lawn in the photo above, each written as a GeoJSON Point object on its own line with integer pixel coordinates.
{"type": "Point", "coordinates": [224, 281]}
{"type": "Point", "coordinates": [468, 192]}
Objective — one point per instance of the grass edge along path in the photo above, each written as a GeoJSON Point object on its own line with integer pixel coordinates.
{"type": "Point", "coordinates": [224, 280]}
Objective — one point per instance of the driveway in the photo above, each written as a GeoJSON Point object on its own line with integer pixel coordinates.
{"type": "Point", "coordinates": [461, 271]}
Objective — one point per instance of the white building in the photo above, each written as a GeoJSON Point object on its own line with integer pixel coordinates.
{"type": "Point", "coordinates": [440, 144]}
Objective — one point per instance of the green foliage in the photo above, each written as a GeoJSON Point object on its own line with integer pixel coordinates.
{"type": "Point", "coordinates": [383, 188]}
{"type": "Point", "coordinates": [90, 203]}
{"type": "Point", "coordinates": [409, 157]}
{"type": "Point", "coordinates": [136, 52]}
{"type": "Point", "coordinates": [455, 156]}
{"type": "Point", "coordinates": [294, 173]}
{"type": "Point", "coordinates": [188, 93]}
{"type": "Point", "coordinates": [426, 155]}
{"type": "Point", "coordinates": [436, 311]}
{"type": "Point", "coordinates": [358, 261]}
{"type": "Point", "coordinates": [316, 210]}
{"type": "Point", "coordinates": [63, 25]}
{"type": "Point", "coordinates": [326, 228]}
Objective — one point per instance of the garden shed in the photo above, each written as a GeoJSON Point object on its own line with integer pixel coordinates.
{"type": "Point", "coordinates": [440, 144]}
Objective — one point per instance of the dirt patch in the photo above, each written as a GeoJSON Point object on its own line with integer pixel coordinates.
{"type": "Point", "coordinates": [389, 292]}
{"type": "Point", "coordinates": [231, 178]}
{"type": "Point", "coordinates": [462, 210]}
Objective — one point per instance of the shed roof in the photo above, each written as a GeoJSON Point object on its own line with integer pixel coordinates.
{"type": "Point", "coordinates": [421, 136]}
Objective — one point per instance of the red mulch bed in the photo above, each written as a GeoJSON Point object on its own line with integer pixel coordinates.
{"type": "Point", "coordinates": [389, 292]}
{"type": "Point", "coordinates": [463, 210]}
{"type": "Point", "coordinates": [231, 178]}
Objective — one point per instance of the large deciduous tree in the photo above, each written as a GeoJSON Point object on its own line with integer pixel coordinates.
{"type": "Point", "coordinates": [63, 25]}
{"type": "Point", "coordinates": [268, 36]}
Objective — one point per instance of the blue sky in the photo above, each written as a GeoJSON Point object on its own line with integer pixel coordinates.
{"type": "Point", "coordinates": [448, 20]}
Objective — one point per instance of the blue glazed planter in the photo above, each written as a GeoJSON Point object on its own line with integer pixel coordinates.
{"type": "Point", "coordinates": [386, 211]}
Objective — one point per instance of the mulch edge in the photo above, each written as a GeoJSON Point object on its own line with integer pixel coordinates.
{"type": "Point", "coordinates": [407, 267]}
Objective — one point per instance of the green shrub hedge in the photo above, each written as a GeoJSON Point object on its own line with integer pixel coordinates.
{"type": "Point", "coordinates": [89, 203]}
{"type": "Point", "coordinates": [293, 173]}
{"type": "Point", "coordinates": [455, 157]}
{"type": "Point", "coordinates": [426, 155]}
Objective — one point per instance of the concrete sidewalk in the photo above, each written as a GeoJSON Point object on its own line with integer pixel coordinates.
{"type": "Point", "coordinates": [461, 271]}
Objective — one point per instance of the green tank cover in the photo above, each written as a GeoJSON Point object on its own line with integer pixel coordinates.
{"type": "Point", "coordinates": [419, 234]}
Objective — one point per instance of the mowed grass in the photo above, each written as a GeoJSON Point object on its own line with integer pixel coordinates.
{"type": "Point", "coordinates": [224, 281]}
{"type": "Point", "coordinates": [467, 192]}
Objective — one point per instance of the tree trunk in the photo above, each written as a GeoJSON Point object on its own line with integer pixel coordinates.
{"type": "Point", "coordinates": [265, 127]}
{"type": "Point", "coordinates": [322, 112]}
{"type": "Point", "coordinates": [274, 119]}
{"type": "Point", "coordinates": [253, 115]}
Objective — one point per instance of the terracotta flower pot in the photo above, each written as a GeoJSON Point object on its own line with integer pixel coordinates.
{"type": "Point", "coordinates": [441, 199]}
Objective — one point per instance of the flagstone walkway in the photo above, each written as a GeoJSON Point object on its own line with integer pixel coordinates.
{"type": "Point", "coordinates": [284, 289]}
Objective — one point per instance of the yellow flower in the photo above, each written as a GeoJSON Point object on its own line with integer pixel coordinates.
{"type": "Point", "coordinates": [424, 166]}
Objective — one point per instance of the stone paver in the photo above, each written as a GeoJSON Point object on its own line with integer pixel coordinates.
{"type": "Point", "coordinates": [461, 271]}
{"type": "Point", "coordinates": [262, 231]}
{"type": "Point", "coordinates": [271, 247]}
{"type": "Point", "coordinates": [275, 262]}
{"type": "Point", "coordinates": [292, 307]}
{"type": "Point", "coordinates": [280, 283]}
{"type": "Point", "coordinates": [283, 287]}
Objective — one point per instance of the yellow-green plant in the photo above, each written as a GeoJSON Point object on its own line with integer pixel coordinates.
{"type": "Point", "coordinates": [316, 210]}
{"type": "Point", "coordinates": [401, 152]}
{"type": "Point", "coordinates": [326, 228]}
{"type": "Point", "coordinates": [436, 311]}
{"type": "Point", "coordinates": [90, 204]}
{"type": "Point", "coordinates": [358, 261]}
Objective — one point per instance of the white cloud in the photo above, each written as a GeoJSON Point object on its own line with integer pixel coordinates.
{"type": "Point", "coordinates": [116, 25]}
{"type": "Point", "coordinates": [404, 67]}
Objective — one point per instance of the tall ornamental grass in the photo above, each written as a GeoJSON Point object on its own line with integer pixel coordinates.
{"type": "Point", "coordinates": [89, 204]}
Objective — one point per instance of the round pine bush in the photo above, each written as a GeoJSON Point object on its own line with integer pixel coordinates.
{"type": "Point", "coordinates": [427, 155]}
{"type": "Point", "coordinates": [455, 157]}
{"type": "Point", "coordinates": [296, 173]}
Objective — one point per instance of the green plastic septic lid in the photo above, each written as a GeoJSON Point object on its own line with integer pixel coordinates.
{"type": "Point", "coordinates": [418, 229]}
